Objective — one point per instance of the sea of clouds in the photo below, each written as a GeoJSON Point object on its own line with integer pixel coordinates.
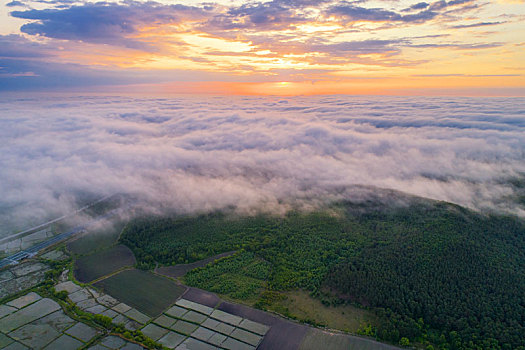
{"type": "Point", "coordinates": [196, 154]}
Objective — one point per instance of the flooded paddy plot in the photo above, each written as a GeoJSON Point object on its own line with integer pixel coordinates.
{"type": "Point", "coordinates": [33, 322]}
{"type": "Point", "coordinates": [91, 267]}
{"type": "Point", "coordinates": [203, 309]}
{"type": "Point", "coordinates": [22, 276]}
{"type": "Point", "coordinates": [55, 255]}
{"type": "Point", "coordinates": [89, 300]}
{"type": "Point", "coordinates": [190, 325]}
{"type": "Point", "coordinates": [148, 293]}
{"type": "Point", "coordinates": [10, 246]}
{"type": "Point", "coordinates": [202, 297]}
{"type": "Point", "coordinates": [154, 332]}
{"type": "Point", "coordinates": [283, 334]}
{"type": "Point", "coordinates": [114, 343]}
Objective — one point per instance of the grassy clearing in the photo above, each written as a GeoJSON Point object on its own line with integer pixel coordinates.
{"type": "Point", "coordinates": [300, 305]}
{"type": "Point", "coordinates": [145, 291]}
{"type": "Point", "coordinates": [91, 267]}
{"type": "Point", "coordinates": [317, 339]}
{"type": "Point", "coordinates": [242, 278]}
{"type": "Point", "coordinates": [96, 240]}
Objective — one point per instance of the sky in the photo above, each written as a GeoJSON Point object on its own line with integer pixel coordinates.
{"type": "Point", "coordinates": [277, 47]}
{"type": "Point", "coordinates": [192, 154]}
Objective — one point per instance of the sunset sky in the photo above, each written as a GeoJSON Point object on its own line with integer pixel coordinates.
{"type": "Point", "coordinates": [279, 47]}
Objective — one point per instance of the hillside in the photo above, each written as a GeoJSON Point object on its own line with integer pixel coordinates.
{"type": "Point", "coordinates": [434, 273]}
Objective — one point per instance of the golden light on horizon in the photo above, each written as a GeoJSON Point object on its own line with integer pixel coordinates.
{"type": "Point", "coordinates": [253, 50]}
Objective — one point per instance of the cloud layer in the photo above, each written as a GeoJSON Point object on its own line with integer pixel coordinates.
{"type": "Point", "coordinates": [60, 43]}
{"type": "Point", "coordinates": [195, 154]}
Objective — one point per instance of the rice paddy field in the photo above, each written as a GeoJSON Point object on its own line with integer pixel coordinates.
{"type": "Point", "coordinates": [145, 291]}
{"type": "Point", "coordinates": [197, 326]}
{"type": "Point", "coordinates": [91, 267]}
{"type": "Point", "coordinates": [33, 322]}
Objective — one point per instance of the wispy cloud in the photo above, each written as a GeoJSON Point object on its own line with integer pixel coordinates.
{"type": "Point", "coordinates": [105, 23]}
{"type": "Point", "coordinates": [352, 13]}
{"type": "Point", "coordinates": [15, 3]}
{"type": "Point", "coordinates": [467, 75]}
{"type": "Point", "coordinates": [478, 24]}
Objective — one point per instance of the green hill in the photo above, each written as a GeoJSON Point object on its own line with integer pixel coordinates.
{"type": "Point", "coordinates": [434, 273]}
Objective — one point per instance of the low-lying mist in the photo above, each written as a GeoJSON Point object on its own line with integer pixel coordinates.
{"type": "Point", "coordinates": [194, 154]}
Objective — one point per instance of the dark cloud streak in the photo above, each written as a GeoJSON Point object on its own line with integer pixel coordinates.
{"type": "Point", "coordinates": [104, 23]}
{"type": "Point", "coordinates": [475, 25]}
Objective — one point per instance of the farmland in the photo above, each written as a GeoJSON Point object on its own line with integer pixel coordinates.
{"type": "Point", "coordinates": [91, 267]}
{"type": "Point", "coordinates": [96, 239]}
{"type": "Point", "coordinates": [300, 305]}
{"type": "Point", "coordinates": [406, 263]}
{"type": "Point", "coordinates": [347, 268]}
{"type": "Point", "coordinates": [180, 270]}
{"type": "Point", "coordinates": [128, 302]}
{"type": "Point", "coordinates": [35, 322]}
{"type": "Point", "coordinates": [147, 292]}
{"type": "Point", "coordinates": [241, 277]}
{"type": "Point", "coordinates": [315, 339]}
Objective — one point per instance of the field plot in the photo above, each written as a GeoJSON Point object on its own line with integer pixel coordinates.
{"type": "Point", "coordinates": [318, 339]}
{"type": "Point", "coordinates": [114, 343]}
{"type": "Point", "coordinates": [91, 267]}
{"type": "Point", "coordinates": [241, 276]}
{"type": "Point", "coordinates": [145, 291]}
{"type": "Point", "coordinates": [90, 300]}
{"type": "Point", "coordinates": [202, 297]}
{"type": "Point", "coordinates": [95, 240]}
{"type": "Point", "coordinates": [14, 245]}
{"type": "Point", "coordinates": [189, 325]}
{"type": "Point", "coordinates": [21, 276]}
{"type": "Point", "coordinates": [182, 269]}
{"type": "Point", "coordinates": [344, 317]}
{"type": "Point", "coordinates": [283, 334]}
{"type": "Point", "coordinates": [39, 323]}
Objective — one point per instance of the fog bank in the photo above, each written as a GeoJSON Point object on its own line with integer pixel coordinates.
{"type": "Point", "coordinates": [202, 153]}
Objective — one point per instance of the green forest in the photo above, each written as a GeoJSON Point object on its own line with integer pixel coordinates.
{"type": "Point", "coordinates": [434, 273]}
